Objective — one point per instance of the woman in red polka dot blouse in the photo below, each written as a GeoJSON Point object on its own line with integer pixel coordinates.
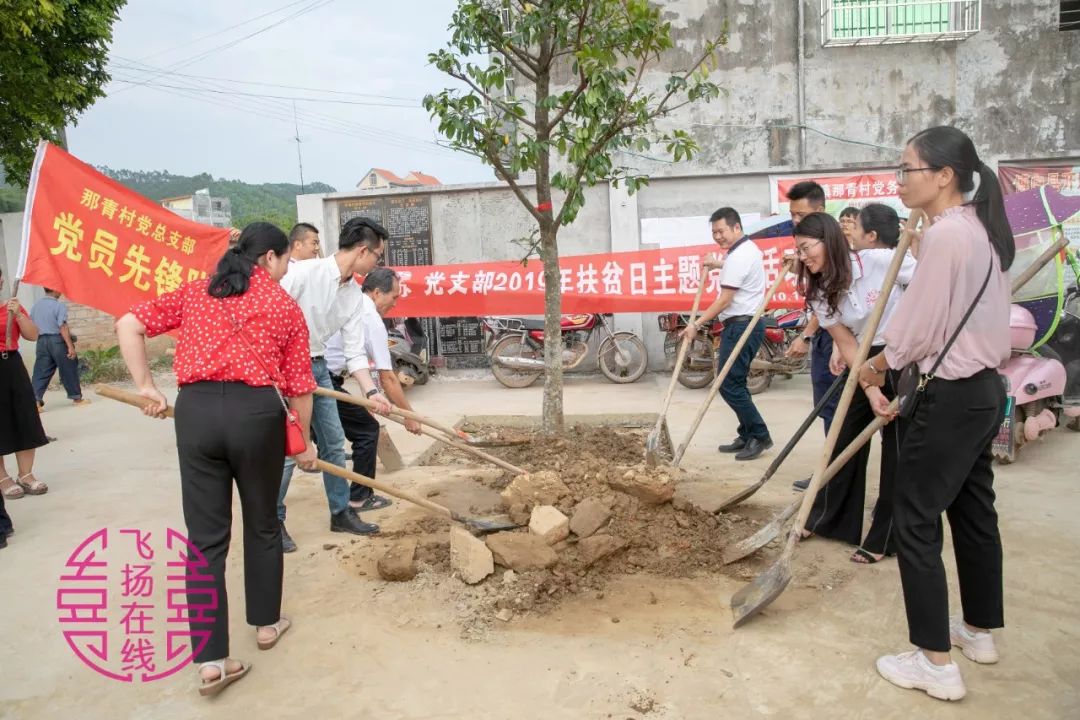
{"type": "Point", "coordinates": [230, 424]}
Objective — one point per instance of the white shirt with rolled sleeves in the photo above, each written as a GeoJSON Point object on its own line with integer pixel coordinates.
{"type": "Point", "coordinates": [868, 270]}
{"type": "Point", "coordinates": [744, 272]}
{"type": "Point", "coordinates": [329, 306]}
{"type": "Point", "coordinates": [376, 344]}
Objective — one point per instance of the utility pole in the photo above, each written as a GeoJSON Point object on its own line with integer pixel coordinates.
{"type": "Point", "coordinates": [299, 157]}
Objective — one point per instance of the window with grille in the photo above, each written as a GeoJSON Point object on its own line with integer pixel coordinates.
{"type": "Point", "coordinates": [868, 22]}
{"type": "Point", "coordinates": [1070, 15]}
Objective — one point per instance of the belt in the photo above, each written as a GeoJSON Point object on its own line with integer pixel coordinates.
{"type": "Point", "coordinates": [738, 319]}
{"type": "Point", "coordinates": [317, 357]}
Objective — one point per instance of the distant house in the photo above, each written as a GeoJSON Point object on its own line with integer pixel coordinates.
{"type": "Point", "coordinates": [201, 208]}
{"type": "Point", "coordinates": [379, 179]}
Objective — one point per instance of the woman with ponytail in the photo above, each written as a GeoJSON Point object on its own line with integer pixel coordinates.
{"type": "Point", "coordinates": [242, 348]}
{"type": "Point", "coordinates": [960, 292]}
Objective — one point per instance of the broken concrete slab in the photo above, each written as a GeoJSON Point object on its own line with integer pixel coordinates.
{"type": "Point", "coordinates": [550, 524]}
{"type": "Point", "coordinates": [651, 489]}
{"type": "Point", "coordinates": [589, 516]}
{"type": "Point", "coordinates": [398, 563]}
{"type": "Point", "coordinates": [539, 488]}
{"type": "Point", "coordinates": [470, 558]}
{"type": "Point", "coordinates": [521, 551]}
{"type": "Point", "coordinates": [593, 549]}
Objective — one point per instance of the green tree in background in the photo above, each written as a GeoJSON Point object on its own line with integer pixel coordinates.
{"type": "Point", "coordinates": [581, 65]}
{"type": "Point", "coordinates": [52, 67]}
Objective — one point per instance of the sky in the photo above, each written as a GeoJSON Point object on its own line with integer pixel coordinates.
{"type": "Point", "coordinates": [175, 102]}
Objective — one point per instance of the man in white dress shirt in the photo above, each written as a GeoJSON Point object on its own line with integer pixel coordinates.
{"type": "Point", "coordinates": [331, 301]}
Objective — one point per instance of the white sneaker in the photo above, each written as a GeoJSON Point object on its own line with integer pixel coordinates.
{"type": "Point", "coordinates": [911, 670]}
{"type": "Point", "coordinates": [977, 647]}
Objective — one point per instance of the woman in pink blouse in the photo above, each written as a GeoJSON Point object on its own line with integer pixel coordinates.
{"type": "Point", "coordinates": [945, 461]}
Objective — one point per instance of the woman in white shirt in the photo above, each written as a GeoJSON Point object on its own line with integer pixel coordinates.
{"type": "Point", "coordinates": [842, 286]}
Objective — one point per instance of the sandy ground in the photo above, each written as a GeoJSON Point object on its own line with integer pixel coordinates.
{"type": "Point", "coordinates": [364, 648]}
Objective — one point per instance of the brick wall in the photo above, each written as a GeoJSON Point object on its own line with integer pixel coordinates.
{"type": "Point", "coordinates": [94, 330]}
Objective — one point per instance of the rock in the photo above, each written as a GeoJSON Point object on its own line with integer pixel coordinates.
{"type": "Point", "coordinates": [540, 488]}
{"type": "Point", "coordinates": [469, 557]}
{"type": "Point", "coordinates": [649, 489]}
{"type": "Point", "coordinates": [505, 615]}
{"type": "Point", "coordinates": [521, 551]}
{"type": "Point", "coordinates": [519, 513]}
{"type": "Point", "coordinates": [704, 496]}
{"type": "Point", "coordinates": [596, 548]}
{"type": "Point", "coordinates": [549, 523]}
{"type": "Point", "coordinates": [399, 562]}
{"type": "Point", "coordinates": [509, 577]}
{"type": "Point", "coordinates": [329, 546]}
{"type": "Point", "coordinates": [589, 516]}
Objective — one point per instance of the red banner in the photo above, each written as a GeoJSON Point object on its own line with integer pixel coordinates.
{"type": "Point", "coordinates": [103, 245]}
{"type": "Point", "coordinates": [642, 281]}
{"type": "Point", "coordinates": [1063, 178]}
{"type": "Point", "coordinates": [868, 187]}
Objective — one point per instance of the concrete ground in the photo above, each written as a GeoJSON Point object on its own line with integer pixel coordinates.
{"type": "Point", "coordinates": [363, 648]}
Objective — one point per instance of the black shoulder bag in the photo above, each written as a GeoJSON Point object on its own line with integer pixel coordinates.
{"type": "Point", "coordinates": [911, 383]}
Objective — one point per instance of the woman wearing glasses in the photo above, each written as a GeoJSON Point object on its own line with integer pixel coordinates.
{"type": "Point", "coordinates": [961, 291]}
{"type": "Point", "coordinates": [842, 286]}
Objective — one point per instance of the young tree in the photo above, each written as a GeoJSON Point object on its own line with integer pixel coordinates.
{"type": "Point", "coordinates": [565, 132]}
{"type": "Point", "coordinates": [52, 67]}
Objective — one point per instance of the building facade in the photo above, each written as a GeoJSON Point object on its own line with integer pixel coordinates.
{"type": "Point", "coordinates": [201, 208]}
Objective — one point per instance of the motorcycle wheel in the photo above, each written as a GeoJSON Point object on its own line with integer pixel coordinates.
{"type": "Point", "coordinates": [1074, 424]}
{"type": "Point", "coordinates": [512, 346]}
{"type": "Point", "coordinates": [607, 357]}
{"type": "Point", "coordinates": [697, 379]}
{"type": "Point", "coordinates": [758, 381]}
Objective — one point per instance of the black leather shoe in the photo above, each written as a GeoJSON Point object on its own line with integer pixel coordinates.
{"type": "Point", "coordinates": [372, 502]}
{"type": "Point", "coordinates": [3, 540]}
{"type": "Point", "coordinates": [735, 446]}
{"type": "Point", "coordinates": [346, 521]}
{"type": "Point", "coordinates": [287, 544]}
{"type": "Point", "coordinates": [753, 449]}
{"type": "Point", "coordinates": [801, 484]}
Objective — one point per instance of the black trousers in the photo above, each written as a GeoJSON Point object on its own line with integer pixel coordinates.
{"type": "Point", "coordinates": [945, 467]}
{"type": "Point", "coordinates": [227, 432]}
{"type": "Point", "coordinates": [362, 430]}
{"type": "Point", "coordinates": [838, 508]}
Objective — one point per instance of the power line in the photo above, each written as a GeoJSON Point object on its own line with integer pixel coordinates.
{"type": "Point", "coordinates": [273, 97]}
{"type": "Point", "coordinates": [125, 66]}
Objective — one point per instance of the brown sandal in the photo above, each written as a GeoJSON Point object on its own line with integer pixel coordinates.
{"type": "Point", "coordinates": [36, 487]}
{"type": "Point", "coordinates": [224, 679]}
{"type": "Point", "coordinates": [12, 491]}
{"type": "Point", "coordinates": [280, 628]}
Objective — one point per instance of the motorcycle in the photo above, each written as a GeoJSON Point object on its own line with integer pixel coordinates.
{"type": "Point", "coordinates": [516, 348]}
{"type": "Point", "coordinates": [408, 350]}
{"type": "Point", "coordinates": [699, 367]}
{"type": "Point", "coordinates": [1042, 377]}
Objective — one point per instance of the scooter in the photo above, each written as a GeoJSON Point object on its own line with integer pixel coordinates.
{"type": "Point", "coordinates": [408, 350]}
{"type": "Point", "coordinates": [1042, 381]}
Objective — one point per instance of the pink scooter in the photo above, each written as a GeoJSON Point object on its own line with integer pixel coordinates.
{"type": "Point", "coordinates": [1035, 385]}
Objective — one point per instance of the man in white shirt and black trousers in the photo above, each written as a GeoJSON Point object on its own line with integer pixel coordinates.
{"type": "Point", "coordinates": [331, 301]}
{"type": "Point", "coordinates": [742, 288]}
{"type": "Point", "coordinates": [381, 291]}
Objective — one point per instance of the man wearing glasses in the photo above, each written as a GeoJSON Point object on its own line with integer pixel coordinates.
{"type": "Point", "coordinates": [331, 300]}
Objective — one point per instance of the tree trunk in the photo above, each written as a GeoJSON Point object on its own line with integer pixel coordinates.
{"type": "Point", "coordinates": [553, 344]}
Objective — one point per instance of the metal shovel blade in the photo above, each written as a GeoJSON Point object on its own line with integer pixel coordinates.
{"type": "Point", "coordinates": [652, 448]}
{"type": "Point", "coordinates": [765, 588]}
{"type": "Point", "coordinates": [768, 532]}
{"type": "Point", "coordinates": [488, 525]}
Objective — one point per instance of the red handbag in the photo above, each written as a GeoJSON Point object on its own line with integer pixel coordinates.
{"type": "Point", "coordinates": [294, 435]}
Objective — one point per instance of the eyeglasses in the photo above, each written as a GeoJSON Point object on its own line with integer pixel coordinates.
{"type": "Point", "coordinates": [901, 172]}
{"type": "Point", "coordinates": [805, 252]}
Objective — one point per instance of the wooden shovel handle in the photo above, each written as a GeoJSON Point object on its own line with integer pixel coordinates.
{"type": "Point", "coordinates": [394, 411]}
{"type": "Point", "coordinates": [722, 375]}
{"type": "Point", "coordinates": [683, 346]}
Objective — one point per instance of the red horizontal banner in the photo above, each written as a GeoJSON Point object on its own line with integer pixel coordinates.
{"type": "Point", "coordinates": [869, 186]}
{"type": "Point", "coordinates": [103, 245]}
{"type": "Point", "coordinates": [642, 281]}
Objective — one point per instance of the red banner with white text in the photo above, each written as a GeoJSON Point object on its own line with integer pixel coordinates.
{"type": "Point", "coordinates": [103, 245]}
{"type": "Point", "coordinates": [643, 281]}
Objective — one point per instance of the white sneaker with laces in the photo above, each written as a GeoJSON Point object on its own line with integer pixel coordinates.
{"type": "Point", "coordinates": [976, 646]}
{"type": "Point", "coordinates": [912, 671]}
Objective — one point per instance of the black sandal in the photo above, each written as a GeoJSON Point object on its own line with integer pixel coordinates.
{"type": "Point", "coordinates": [867, 557]}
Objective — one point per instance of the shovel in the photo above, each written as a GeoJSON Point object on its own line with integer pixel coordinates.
{"type": "Point", "coordinates": [768, 586]}
{"type": "Point", "coordinates": [775, 465]}
{"type": "Point", "coordinates": [771, 531]}
{"type": "Point", "coordinates": [652, 442]}
{"type": "Point", "coordinates": [409, 415]}
{"type": "Point", "coordinates": [722, 375]}
{"type": "Point", "coordinates": [452, 441]}
{"type": "Point", "coordinates": [480, 525]}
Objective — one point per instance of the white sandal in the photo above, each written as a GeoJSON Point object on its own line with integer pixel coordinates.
{"type": "Point", "coordinates": [223, 680]}
{"type": "Point", "coordinates": [12, 492]}
{"type": "Point", "coordinates": [280, 628]}
{"type": "Point", "coordinates": [32, 488]}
